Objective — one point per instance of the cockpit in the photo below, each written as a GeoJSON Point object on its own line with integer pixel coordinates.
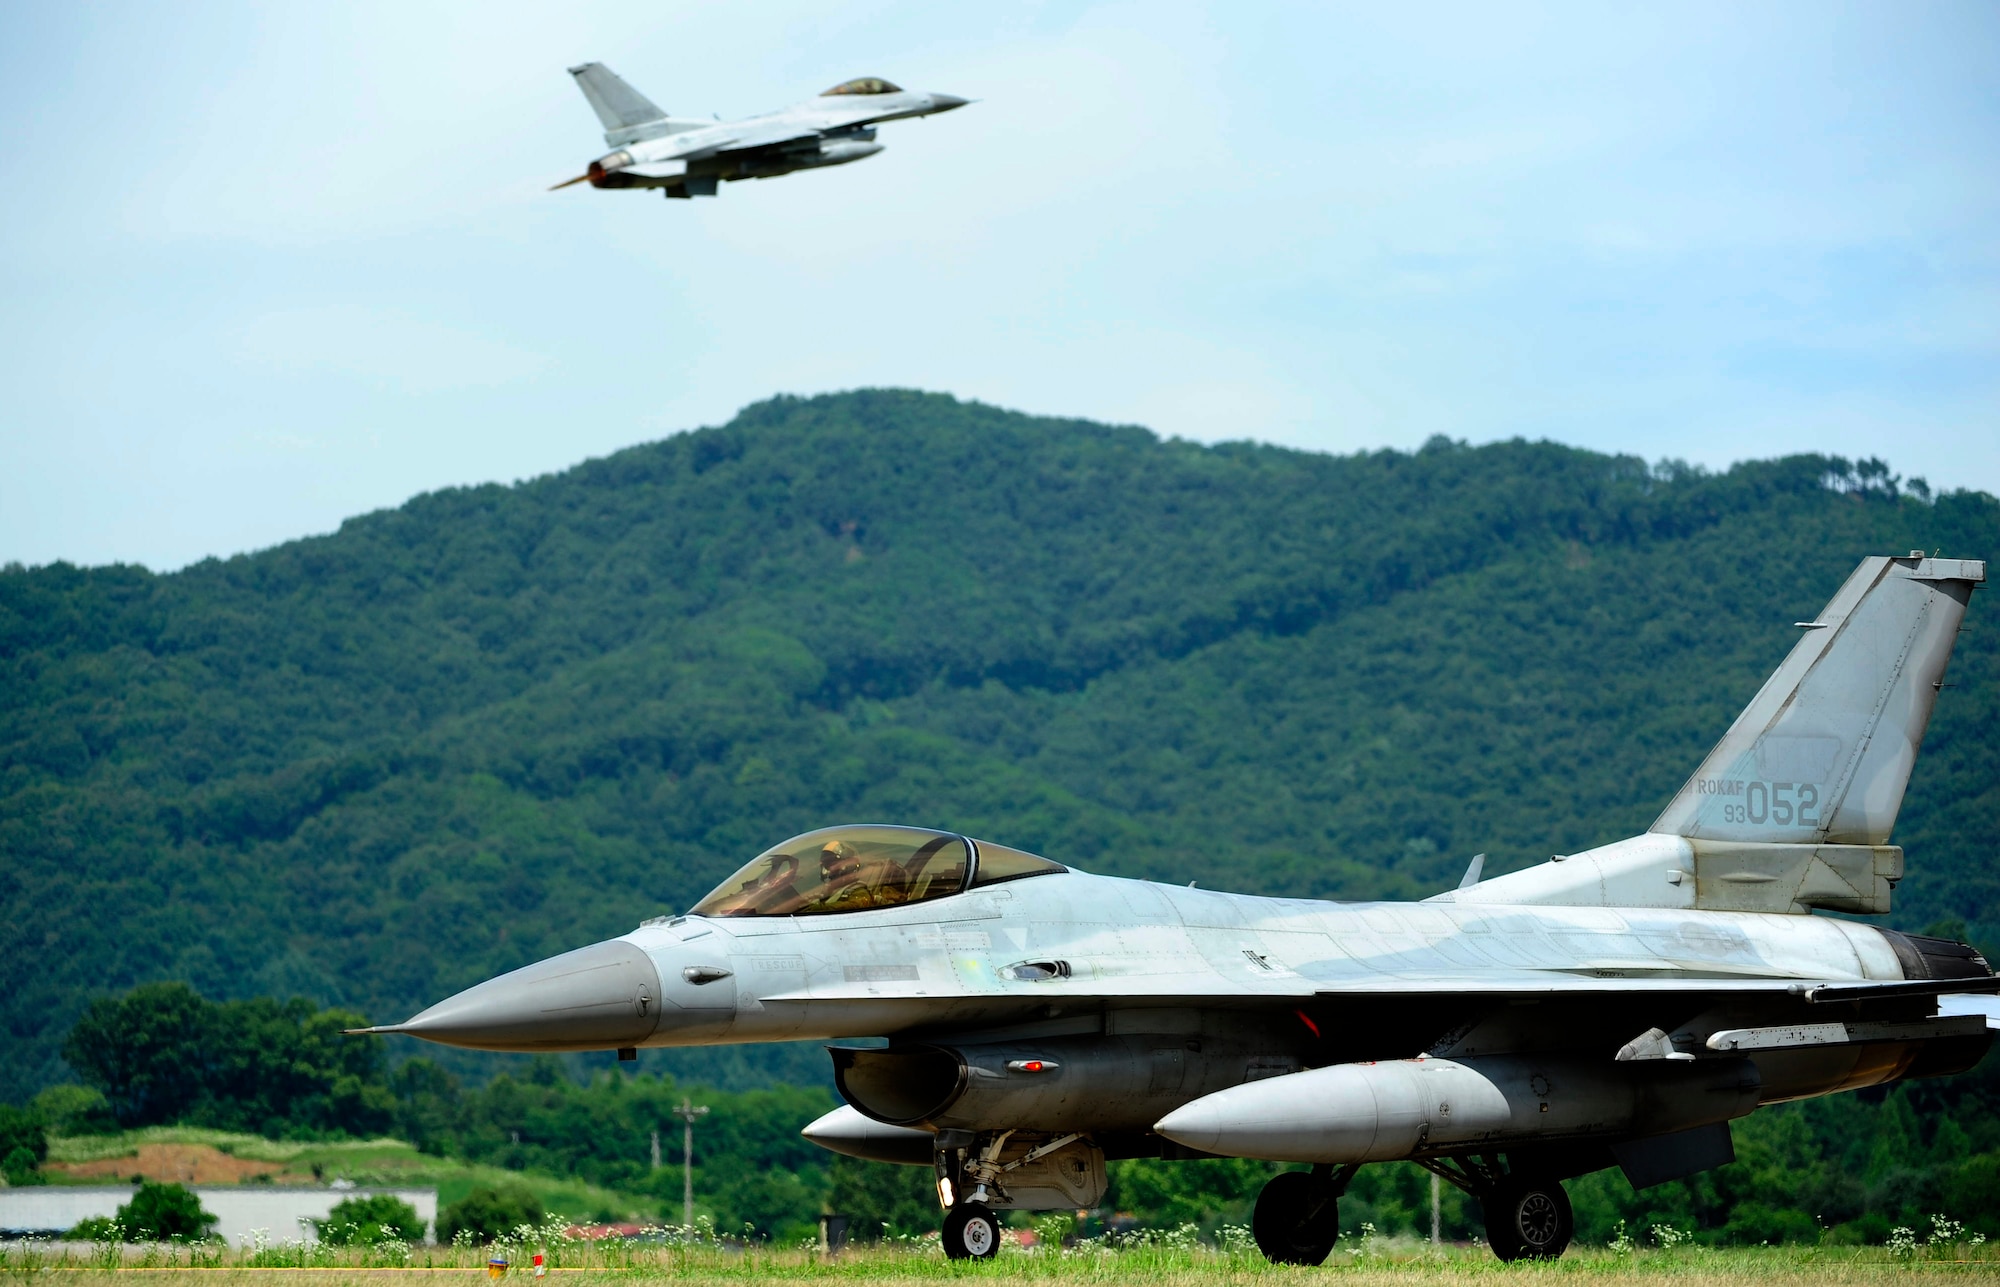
{"type": "Point", "coordinates": [853, 869]}
{"type": "Point", "coordinates": [864, 85]}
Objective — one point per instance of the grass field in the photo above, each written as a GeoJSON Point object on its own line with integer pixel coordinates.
{"type": "Point", "coordinates": [1161, 1264]}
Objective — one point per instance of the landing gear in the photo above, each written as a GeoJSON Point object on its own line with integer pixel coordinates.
{"type": "Point", "coordinates": [971, 1232]}
{"type": "Point", "coordinates": [1528, 1215]}
{"type": "Point", "coordinates": [1297, 1218]}
{"type": "Point", "coordinates": [1014, 1171]}
{"type": "Point", "coordinates": [1528, 1218]}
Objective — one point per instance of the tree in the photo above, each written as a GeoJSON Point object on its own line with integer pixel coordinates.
{"type": "Point", "coordinates": [162, 1053]}
{"type": "Point", "coordinates": [281, 1066]}
{"type": "Point", "coordinates": [164, 1213]}
{"type": "Point", "coordinates": [883, 1200]}
{"type": "Point", "coordinates": [20, 1168]}
{"type": "Point", "coordinates": [70, 1109]}
{"type": "Point", "coordinates": [150, 1052]}
{"type": "Point", "coordinates": [487, 1213]}
{"type": "Point", "coordinates": [24, 1145]}
{"type": "Point", "coordinates": [1204, 1192]}
{"type": "Point", "coordinates": [1972, 1193]}
{"type": "Point", "coordinates": [429, 1105]}
{"type": "Point", "coordinates": [374, 1218]}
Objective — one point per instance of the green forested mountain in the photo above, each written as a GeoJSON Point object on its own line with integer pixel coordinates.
{"type": "Point", "coordinates": [375, 767]}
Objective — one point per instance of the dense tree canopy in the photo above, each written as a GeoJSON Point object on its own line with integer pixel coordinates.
{"type": "Point", "coordinates": [163, 1054]}
{"type": "Point", "coordinates": [24, 1144]}
{"type": "Point", "coordinates": [374, 767]}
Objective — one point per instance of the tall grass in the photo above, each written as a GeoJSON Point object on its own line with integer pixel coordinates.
{"type": "Point", "coordinates": [1175, 1259]}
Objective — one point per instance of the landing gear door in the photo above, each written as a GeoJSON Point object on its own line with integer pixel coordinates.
{"type": "Point", "coordinates": [1071, 1178]}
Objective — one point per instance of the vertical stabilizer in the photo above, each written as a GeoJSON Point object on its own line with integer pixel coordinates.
{"type": "Point", "coordinates": [627, 115]}
{"type": "Point", "coordinates": [1823, 752]}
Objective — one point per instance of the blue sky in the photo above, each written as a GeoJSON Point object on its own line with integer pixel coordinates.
{"type": "Point", "coordinates": [265, 267]}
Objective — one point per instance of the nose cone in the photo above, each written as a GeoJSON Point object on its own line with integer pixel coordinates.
{"type": "Point", "coordinates": [595, 998]}
{"type": "Point", "coordinates": [1197, 1126]}
{"type": "Point", "coordinates": [945, 102]}
{"type": "Point", "coordinates": [846, 1131]}
{"type": "Point", "coordinates": [1273, 1118]}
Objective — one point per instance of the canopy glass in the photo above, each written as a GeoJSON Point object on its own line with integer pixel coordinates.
{"type": "Point", "coordinates": [864, 85]}
{"type": "Point", "coordinates": [853, 869]}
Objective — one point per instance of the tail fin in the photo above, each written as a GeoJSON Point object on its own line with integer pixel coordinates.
{"type": "Point", "coordinates": [628, 116]}
{"type": "Point", "coordinates": [1823, 752]}
{"type": "Point", "coordinates": [1792, 809]}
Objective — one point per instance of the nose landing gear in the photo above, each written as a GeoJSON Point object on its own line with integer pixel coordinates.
{"type": "Point", "coordinates": [978, 1172]}
{"type": "Point", "coordinates": [971, 1232]}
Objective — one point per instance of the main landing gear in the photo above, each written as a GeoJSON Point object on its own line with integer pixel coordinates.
{"type": "Point", "coordinates": [1527, 1213]}
{"type": "Point", "coordinates": [1528, 1219]}
{"type": "Point", "coordinates": [1297, 1218]}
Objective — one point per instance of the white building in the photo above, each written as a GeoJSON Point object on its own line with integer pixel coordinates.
{"type": "Point", "coordinates": [48, 1211]}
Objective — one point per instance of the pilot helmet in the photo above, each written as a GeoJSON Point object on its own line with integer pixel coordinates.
{"type": "Point", "coordinates": [837, 858]}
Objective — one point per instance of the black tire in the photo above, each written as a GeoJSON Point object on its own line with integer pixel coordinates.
{"type": "Point", "coordinates": [1528, 1219]}
{"type": "Point", "coordinates": [1297, 1220]}
{"type": "Point", "coordinates": [971, 1232]}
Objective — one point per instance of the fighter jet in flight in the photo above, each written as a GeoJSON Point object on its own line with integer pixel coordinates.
{"type": "Point", "coordinates": [1617, 1007]}
{"type": "Point", "coordinates": [687, 158]}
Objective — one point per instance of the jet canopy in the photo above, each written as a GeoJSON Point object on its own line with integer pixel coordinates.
{"type": "Point", "coordinates": [864, 85]}
{"type": "Point", "coordinates": [853, 869]}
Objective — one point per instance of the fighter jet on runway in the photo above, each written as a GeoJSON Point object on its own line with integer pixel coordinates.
{"type": "Point", "coordinates": [687, 158]}
{"type": "Point", "coordinates": [1617, 1007]}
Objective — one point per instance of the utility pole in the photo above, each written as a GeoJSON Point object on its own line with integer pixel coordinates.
{"type": "Point", "coordinates": [656, 1150]}
{"type": "Point", "coordinates": [687, 1112]}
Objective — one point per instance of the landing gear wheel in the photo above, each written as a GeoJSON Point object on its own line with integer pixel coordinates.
{"type": "Point", "coordinates": [1528, 1219]}
{"type": "Point", "coordinates": [971, 1232]}
{"type": "Point", "coordinates": [1297, 1219]}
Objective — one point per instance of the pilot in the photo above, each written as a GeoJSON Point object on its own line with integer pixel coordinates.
{"type": "Point", "coordinates": [850, 883]}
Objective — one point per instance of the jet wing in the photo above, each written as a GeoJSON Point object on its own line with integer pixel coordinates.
{"type": "Point", "coordinates": [1481, 984]}
{"type": "Point", "coordinates": [1295, 988]}
{"type": "Point", "coordinates": [751, 139]}
{"type": "Point", "coordinates": [1813, 991]}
